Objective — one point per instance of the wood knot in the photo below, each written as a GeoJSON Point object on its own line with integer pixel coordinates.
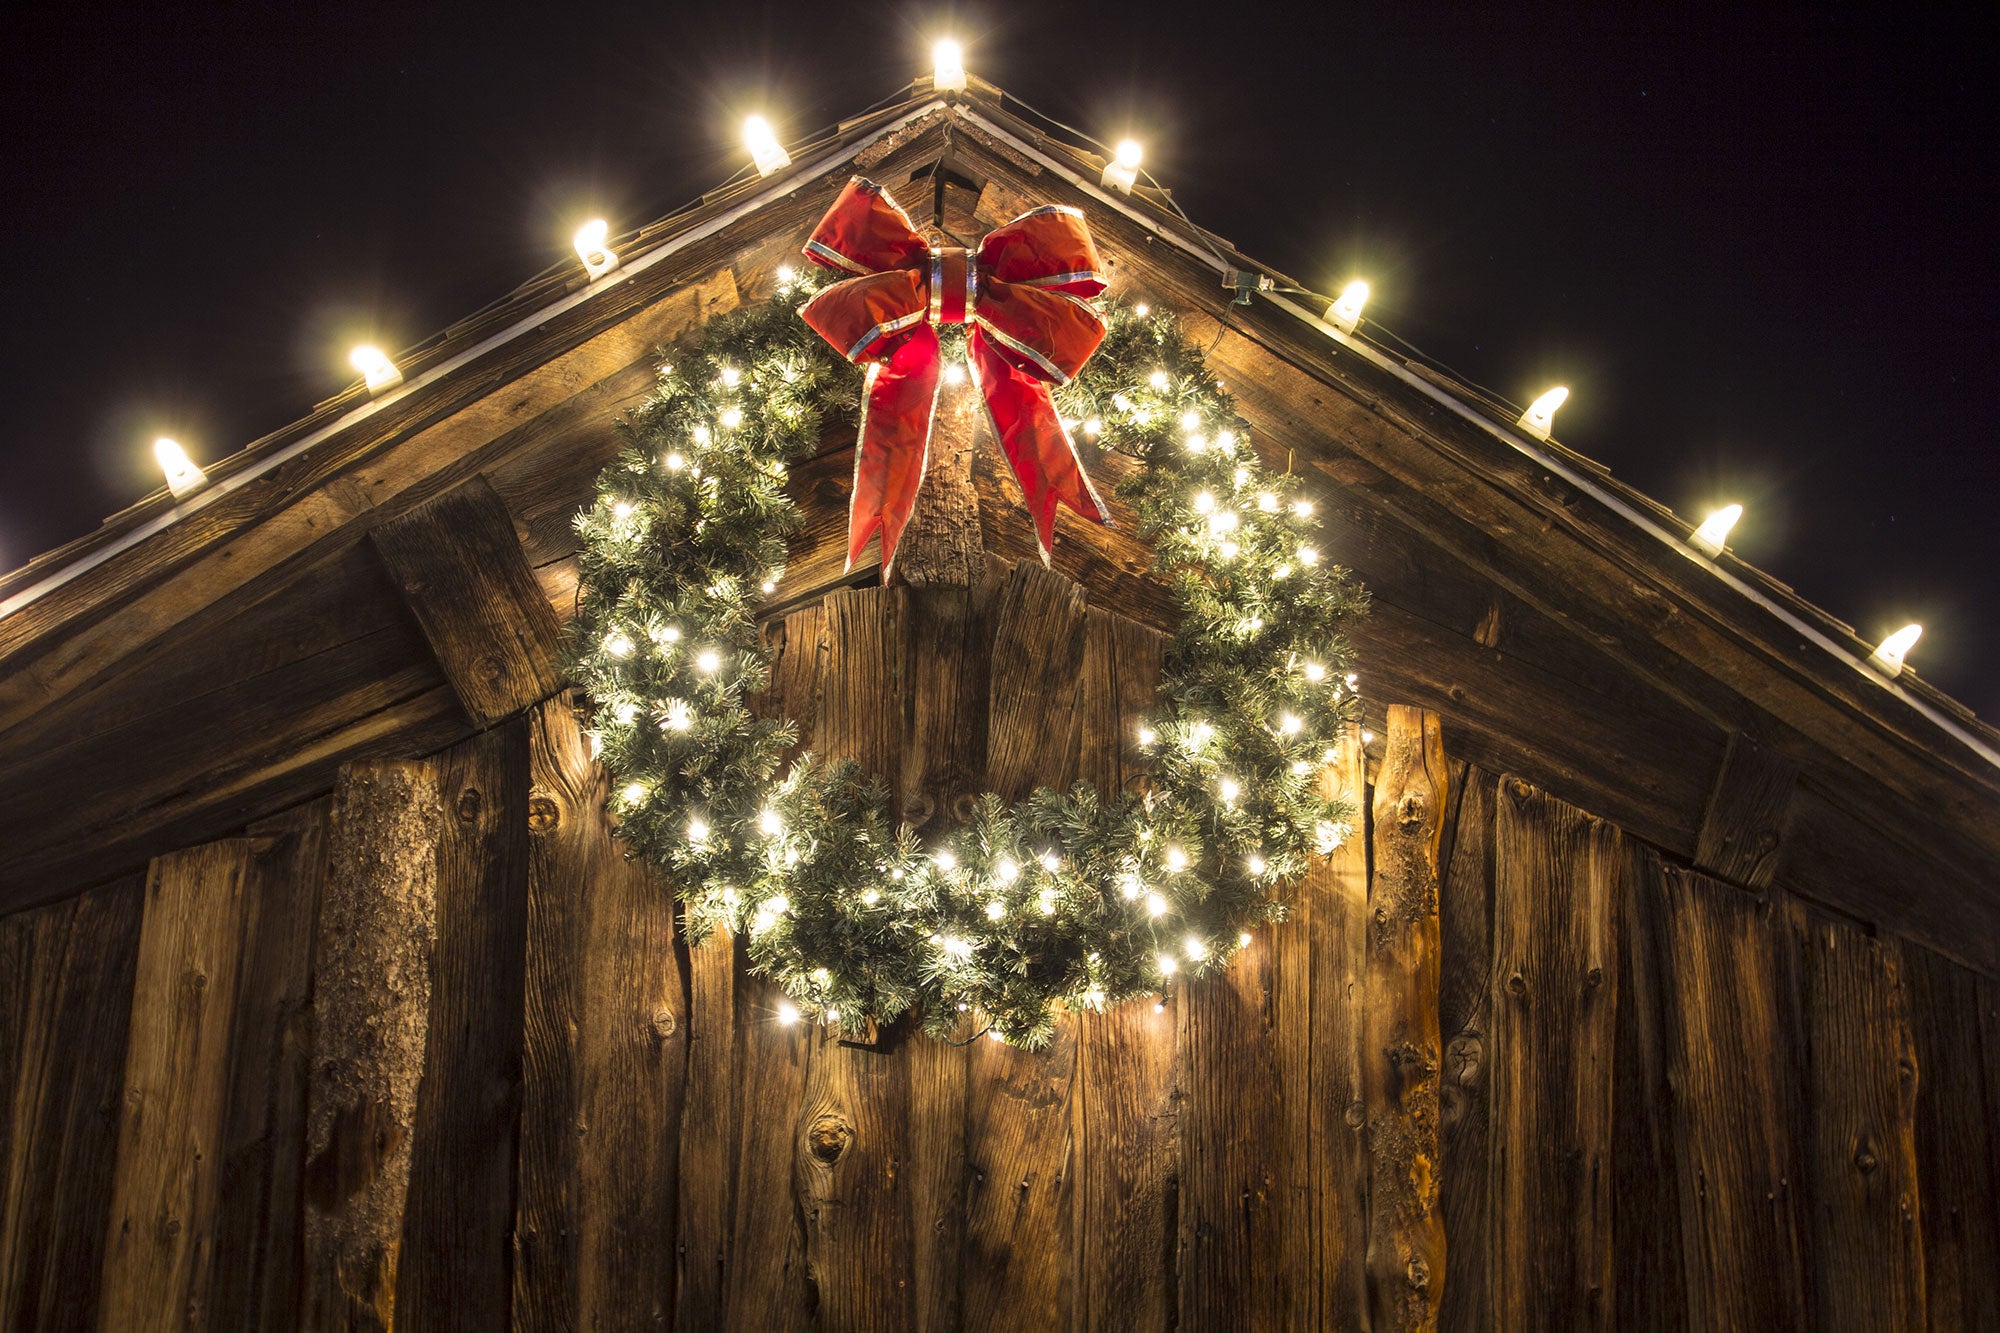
{"type": "Point", "coordinates": [663, 1024]}
{"type": "Point", "coordinates": [469, 804]}
{"type": "Point", "coordinates": [1410, 810]}
{"type": "Point", "coordinates": [543, 814]}
{"type": "Point", "coordinates": [918, 807]}
{"type": "Point", "coordinates": [1864, 1158]}
{"type": "Point", "coordinates": [1419, 1274]}
{"type": "Point", "coordinates": [490, 668]}
{"type": "Point", "coordinates": [828, 1138]}
{"type": "Point", "coordinates": [1519, 790]}
{"type": "Point", "coordinates": [1517, 984]}
{"type": "Point", "coordinates": [1593, 978]}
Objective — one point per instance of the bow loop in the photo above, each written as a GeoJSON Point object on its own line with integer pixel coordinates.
{"type": "Point", "coordinates": [1047, 247]}
{"type": "Point", "coordinates": [1023, 292]}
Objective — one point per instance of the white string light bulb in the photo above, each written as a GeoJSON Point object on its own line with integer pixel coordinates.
{"type": "Point", "coordinates": [1889, 654]}
{"type": "Point", "coordinates": [765, 150]}
{"type": "Point", "coordinates": [1540, 417]}
{"type": "Point", "coordinates": [377, 370]}
{"type": "Point", "coordinates": [948, 67]}
{"type": "Point", "coordinates": [598, 259]}
{"type": "Point", "coordinates": [1713, 533]}
{"type": "Point", "coordinates": [1121, 173]}
{"type": "Point", "coordinates": [183, 477]}
{"type": "Point", "coordinates": [788, 1013]}
{"type": "Point", "coordinates": [1345, 313]}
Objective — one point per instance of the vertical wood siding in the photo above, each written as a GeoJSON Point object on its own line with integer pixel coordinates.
{"type": "Point", "coordinates": [1642, 1094]}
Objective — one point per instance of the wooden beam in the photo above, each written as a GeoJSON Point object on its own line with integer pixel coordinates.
{"type": "Point", "coordinates": [604, 1057]}
{"type": "Point", "coordinates": [1402, 1054]}
{"type": "Point", "coordinates": [371, 1005]}
{"type": "Point", "coordinates": [1745, 821]}
{"type": "Point", "coordinates": [161, 1240]}
{"type": "Point", "coordinates": [66, 976]}
{"type": "Point", "coordinates": [1555, 995]}
{"type": "Point", "coordinates": [460, 568]}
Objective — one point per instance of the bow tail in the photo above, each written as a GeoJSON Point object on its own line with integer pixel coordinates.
{"type": "Point", "coordinates": [1031, 434]}
{"type": "Point", "coordinates": [893, 444]}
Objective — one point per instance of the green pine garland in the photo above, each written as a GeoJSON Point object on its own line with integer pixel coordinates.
{"type": "Point", "coordinates": [1066, 898]}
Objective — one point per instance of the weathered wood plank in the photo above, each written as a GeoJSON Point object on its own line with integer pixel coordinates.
{"type": "Point", "coordinates": [1402, 1054]}
{"type": "Point", "coordinates": [1648, 1275]}
{"type": "Point", "coordinates": [1555, 969]}
{"type": "Point", "coordinates": [460, 569]}
{"type": "Point", "coordinates": [1336, 905]}
{"type": "Point", "coordinates": [1956, 1169]}
{"type": "Point", "coordinates": [1707, 980]}
{"type": "Point", "coordinates": [855, 1139]}
{"type": "Point", "coordinates": [1126, 1163]}
{"type": "Point", "coordinates": [1465, 985]}
{"type": "Point", "coordinates": [161, 1240]}
{"type": "Point", "coordinates": [1857, 1126]}
{"type": "Point", "coordinates": [770, 1284]}
{"type": "Point", "coordinates": [706, 1177]}
{"type": "Point", "coordinates": [1038, 633]}
{"type": "Point", "coordinates": [371, 1006]}
{"type": "Point", "coordinates": [604, 1058]}
{"type": "Point", "coordinates": [459, 1223]}
{"type": "Point", "coordinates": [66, 981]}
{"type": "Point", "coordinates": [1018, 1188]}
{"type": "Point", "coordinates": [941, 545]}
{"type": "Point", "coordinates": [259, 1242]}
{"type": "Point", "coordinates": [1745, 819]}
{"type": "Point", "coordinates": [1233, 1173]}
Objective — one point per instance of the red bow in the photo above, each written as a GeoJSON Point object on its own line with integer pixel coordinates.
{"type": "Point", "coordinates": [1023, 291]}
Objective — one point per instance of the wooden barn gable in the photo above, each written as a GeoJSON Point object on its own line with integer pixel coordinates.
{"type": "Point", "coordinates": [1759, 880]}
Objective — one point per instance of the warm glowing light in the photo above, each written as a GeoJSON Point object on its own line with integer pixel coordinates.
{"type": "Point", "coordinates": [788, 1013]}
{"type": "Point", "coordinates": [1007, 871]}
{"type": "Point", "coordinates": [1714, 530]}
{"type": "Point", "coordinates": [1888, 657]}
{"type": "Point", "coordinates": [1155, 905]}
{"type": "Point", "coordinates": [771, 823]}
{"type": "Point", "coordinates": [948, 67]}
{"type": "Point", "coordinates": [1176, 859]}
{"type": "Point", "coordinates": [1167, 964]}
{"type": "Point", "coordinates": [183, 477]}
{"type": "Point", "coordinates": [634, 792]}
{"type": "Point", "coordinates": [1315, 672]}
{"type": "Point", "coordinates": [1048, 862]}
{"type": "Point", "coordinates": [995, 910]}
{"type": "Point", "coordinates": [377, 369]}
{"type": "Point", "coordinates": [1345, 313]}
{"type": "Point", "coordinates": [954, 373]}
{"type": "Point", "coordinates": [1158, 379]}
{"type": "Point", "coordinates": [764, 147]}
{"type": "Point", "coordinates": [598, 259]}
{"type": "Point", "coordinates": [618, 644]}
{"type": "Point", "coordinates": [946, 861]}
{"type": "Point", "coordinates": [1254, 864]}
{"type": "Point", "coordinates": [1541, 414]}
{"type": "Point", "coordinates": [1147, 736]}
{"type": "Point", "coordinates": [1290, 724]}
{"type": "Point", "coordinates": [1243, 940]}
{"type": "Point", "coordinates": [697, 830]}
{"type": "Point", "coordinates": [710, 661]}
{"type": "Point", "coordinates": [1196, 948]}
{"type": "Point", "coordinates": [731, 417]}
{"type": "Point", "coordinates": [1121, 173]}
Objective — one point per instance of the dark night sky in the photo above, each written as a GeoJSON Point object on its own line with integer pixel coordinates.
{"type": "Point", "coordinates": [1760, 250]}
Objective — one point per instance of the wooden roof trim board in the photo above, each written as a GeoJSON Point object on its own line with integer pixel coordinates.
{"type": "Point", "coordinates": [1010, 136]}
{"type": "Point", "coordinates": [413, 384]}
{"type": "Point", "coordinates": [1819, 635]}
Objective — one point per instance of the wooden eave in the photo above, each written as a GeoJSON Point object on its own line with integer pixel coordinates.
{"type": "Point", "coordinates": [190, 667]}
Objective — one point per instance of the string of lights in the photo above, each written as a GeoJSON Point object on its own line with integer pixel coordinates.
{"type": "Point", "coordinates": [1123, 171]}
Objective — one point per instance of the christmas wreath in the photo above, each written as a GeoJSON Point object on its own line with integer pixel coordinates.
{"type": "Point", "coordinates": [1063, 899]}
